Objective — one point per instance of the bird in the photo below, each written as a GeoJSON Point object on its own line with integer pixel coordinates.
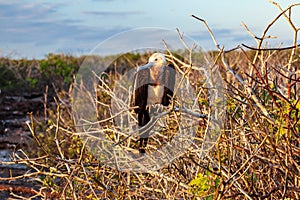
{"type": "Point", "coordinates": [153, 84]}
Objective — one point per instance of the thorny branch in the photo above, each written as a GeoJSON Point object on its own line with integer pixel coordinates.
{"type": "Point", "coordinates": [268, 68]}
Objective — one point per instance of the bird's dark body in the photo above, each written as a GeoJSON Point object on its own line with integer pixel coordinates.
{"type": "Point", "coordinates": [143, 80]}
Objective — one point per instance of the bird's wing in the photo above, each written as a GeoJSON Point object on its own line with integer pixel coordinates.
{"type": "Point", "coordinates": [140, 93]}
{"type": "Point", "coordinates": [169, 82]}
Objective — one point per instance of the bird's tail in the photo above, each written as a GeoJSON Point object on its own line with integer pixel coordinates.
{"type": "Point", "coordinates": [144, 118]}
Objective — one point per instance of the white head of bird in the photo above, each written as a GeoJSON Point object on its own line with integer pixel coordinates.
{"type": "Point", "coordinates": [157, 59]}
{"type": "Point", "coordinates": [156, 64]}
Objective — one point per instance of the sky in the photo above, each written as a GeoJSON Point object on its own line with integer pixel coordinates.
{"type": "Point", "coordinates": [32, 29]}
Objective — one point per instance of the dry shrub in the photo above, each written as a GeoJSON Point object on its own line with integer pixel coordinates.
{"type": "Point", "coordinates": [256, 157]}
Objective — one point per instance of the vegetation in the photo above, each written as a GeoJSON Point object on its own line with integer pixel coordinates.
{"type": "Point", "coordinates": [257, 155]}
{"type": "Point", "coordinates": [23, 75]}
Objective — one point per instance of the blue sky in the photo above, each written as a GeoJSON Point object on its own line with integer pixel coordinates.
{"type": "Point", "coordinates": [33, 29]}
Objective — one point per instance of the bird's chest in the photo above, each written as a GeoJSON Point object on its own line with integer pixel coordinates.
{"type": "Point", "coordinates": [155, 94]}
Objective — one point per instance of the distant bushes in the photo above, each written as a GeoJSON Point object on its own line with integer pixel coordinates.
{"type": "Point", "coordinates": [59, 68]}
{"type": "Point", "coordinates": [25, 75]}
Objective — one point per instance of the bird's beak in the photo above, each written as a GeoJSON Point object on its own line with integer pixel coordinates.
{"type": "Point", "coordinates": [148, 65]}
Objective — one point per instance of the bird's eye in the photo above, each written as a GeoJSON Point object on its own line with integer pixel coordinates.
{"type": "Point", "coordinates": [156, 59]}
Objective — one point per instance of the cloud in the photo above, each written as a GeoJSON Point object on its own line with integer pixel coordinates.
{"type": "Point", "coordinates": [36, 29]}
{"type": "Point", "coordinates": [103, 0]}
{"type": "Point", "coordinates": [40, 27]}
{"type": "Point", "coordinates": [230, 38]}
{"type": "Point", "coordinates": [26, 10]}
{"type": "Point", "coordinates": [25, 22]}
{"type": "Point", "coordinates": [113, 13]}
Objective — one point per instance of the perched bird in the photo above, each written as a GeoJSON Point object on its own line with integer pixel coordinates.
{"type": "Point", "coordinates": [153, 84]}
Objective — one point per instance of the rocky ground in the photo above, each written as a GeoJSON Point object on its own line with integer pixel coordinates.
{"type": "Point", "coordinates": [14, 135]}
